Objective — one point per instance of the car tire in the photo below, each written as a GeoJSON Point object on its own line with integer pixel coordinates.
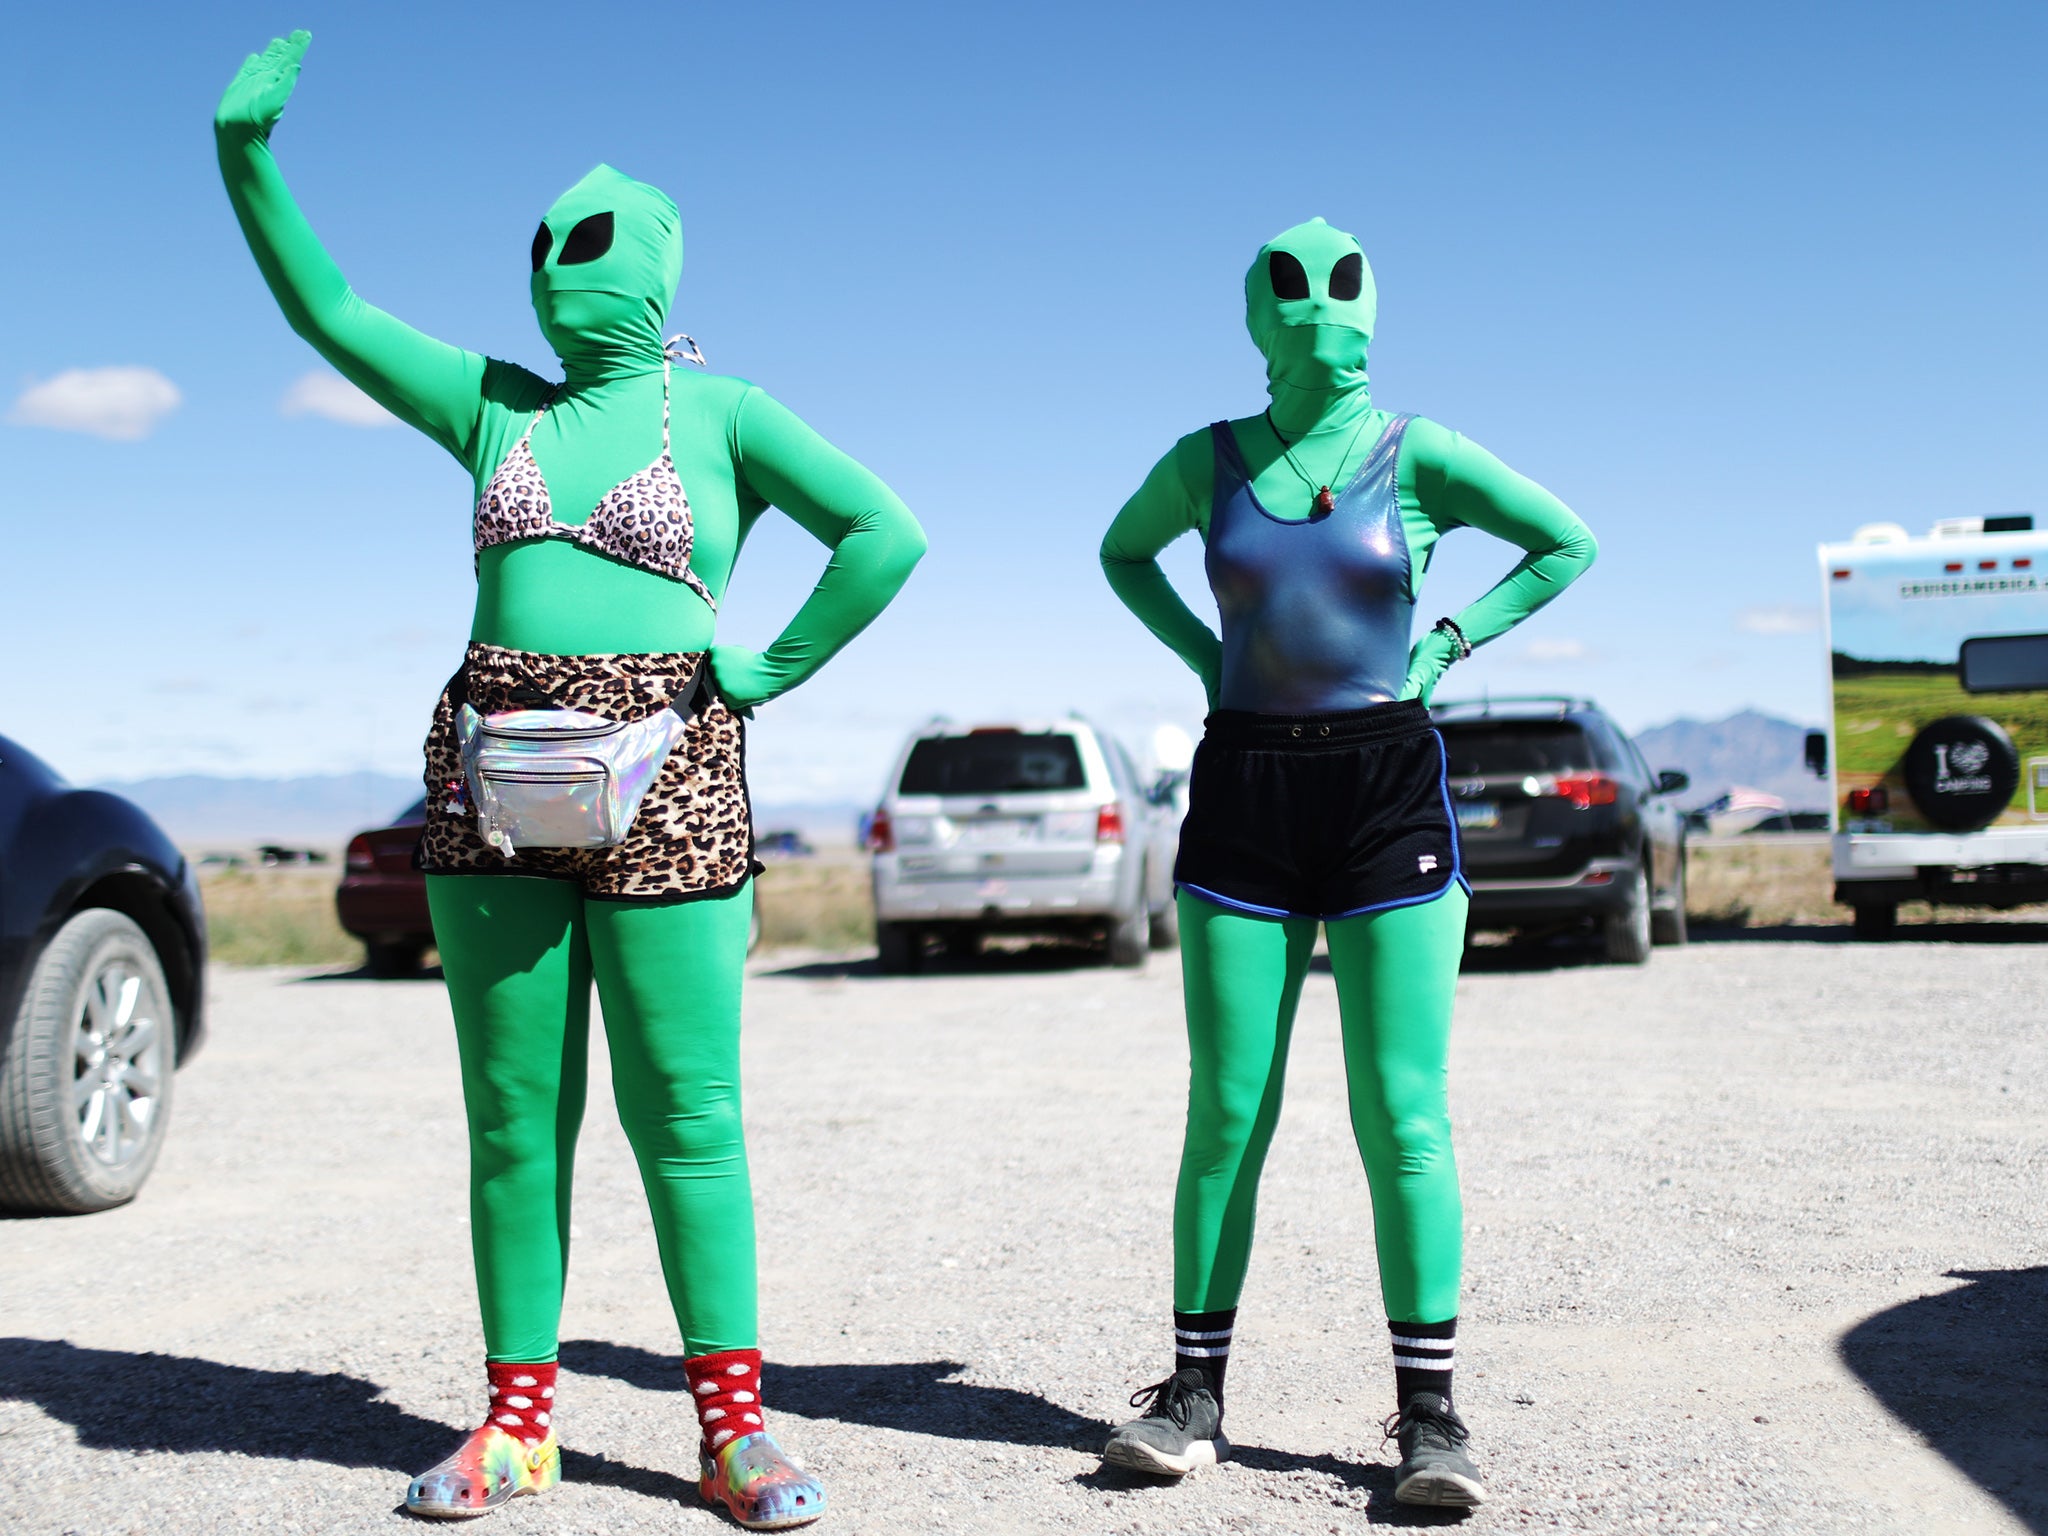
{"type": "Point", "coordinates": [1165, 926]}
{"type": "Point", "coordinates": [1875, 921]}
{"type": "Point", "coordinates": [392, 959]}
{"type": "Point", "coordinates": [1669, 927]}
{"type": "Point", "coordinates": [1628, 930]}
{"type": "Point", "coordinates": [1130, 936]}
{"type": "Point", "coordinates": [96, 1009]}
{"type": "Point", "coordinates": [899, 949]}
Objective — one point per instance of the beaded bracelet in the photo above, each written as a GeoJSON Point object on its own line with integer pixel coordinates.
{"type": "Point", "coordinates": [1450, 627]}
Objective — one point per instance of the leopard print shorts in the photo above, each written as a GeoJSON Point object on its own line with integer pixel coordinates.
{"type": "Point", "coordinates": [694, 835]}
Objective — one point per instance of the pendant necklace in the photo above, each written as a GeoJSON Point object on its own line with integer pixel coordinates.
{"type": "Point", "coordinates": [1324, 503]}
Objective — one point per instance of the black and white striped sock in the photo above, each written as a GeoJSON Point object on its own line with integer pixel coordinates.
{"type": "Point", "coordinates": [1201, 1342]}
{"type": "Point", "coordinates": [1422, 1358]}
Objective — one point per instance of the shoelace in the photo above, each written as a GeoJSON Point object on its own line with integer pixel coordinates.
{"type": "Point", "coordinates": [1168, 1398]}
{"type": "Point", "coordinates": [1416, 1414]}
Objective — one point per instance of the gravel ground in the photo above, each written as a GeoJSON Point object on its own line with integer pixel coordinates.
{"type": "Point", "coordinates": [1755, 1242]}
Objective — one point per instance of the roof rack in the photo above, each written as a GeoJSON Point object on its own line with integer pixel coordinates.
{"type": "Point", "coordinates": [1515, 703]}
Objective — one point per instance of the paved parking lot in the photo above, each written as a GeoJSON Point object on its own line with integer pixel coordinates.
{"type": "Point", "coordinates": [1757, 1242]}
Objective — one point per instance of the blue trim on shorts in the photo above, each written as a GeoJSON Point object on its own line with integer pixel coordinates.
{"type": "Point", "coordinates": [1457, 876]}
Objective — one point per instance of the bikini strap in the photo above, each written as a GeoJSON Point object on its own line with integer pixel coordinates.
{"type": "Point", "coordinates": [664, 405]}
{"type": "Point", "coordinates": [534, 420]}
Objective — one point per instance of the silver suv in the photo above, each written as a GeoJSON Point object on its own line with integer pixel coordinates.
{"type": "Point", "coordinates": [1041, 828]}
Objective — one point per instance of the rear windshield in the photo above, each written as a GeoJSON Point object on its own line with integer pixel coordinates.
{"type": "Point", "coordinates": [1497, 747]}
{"type": "Point", "coordinates": [996, 764]}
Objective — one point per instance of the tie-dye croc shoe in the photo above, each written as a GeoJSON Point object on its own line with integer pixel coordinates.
{"type": "Point", "coordinates": [762, 1488]}
{"type": "Point", "coordinates": [489, 1468]}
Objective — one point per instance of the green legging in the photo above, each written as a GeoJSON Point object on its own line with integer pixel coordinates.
{"type": "Point", "coordinates": [520, 955]}
{"type": "Point", "coordinates": [1396, 974]}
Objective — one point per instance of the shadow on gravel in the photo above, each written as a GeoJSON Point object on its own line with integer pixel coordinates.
{"type": "Point", "coordinates": [1968, 1370]}
{"type": "Point", "coordinates": [119, 1400]}
{"type": "Point", "coordinates": [919, 1398]}
{"type": "Point", "coordinates": [1375, 1478]}
{"type": "Point", "coordinates": [1021, 960]}
{"type": "Point", "coordinates": [364, 973]}
{"type": "Point", "coordinates": [1907, 933]}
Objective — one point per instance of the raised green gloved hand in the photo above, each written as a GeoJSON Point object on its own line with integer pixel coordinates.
{"type": "Point", "coordinates": [1427, 663]}
{"type": "Point", "coordinates": [255, 98]}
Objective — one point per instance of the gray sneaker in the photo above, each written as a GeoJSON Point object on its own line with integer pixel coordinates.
{"type": "Point", "coordinates": [1434, 1468]}
{"type": "Point", "coordinates": [1181, 1429]}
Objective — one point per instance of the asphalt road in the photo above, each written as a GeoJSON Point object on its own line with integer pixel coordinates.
{"type": "Point", "coordinates": [1756, 1242]}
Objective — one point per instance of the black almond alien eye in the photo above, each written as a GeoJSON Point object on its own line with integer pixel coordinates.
{"type": "Point", "coordinates": [590, 239]}
{"type": "Point", "coordinates": [1347, 278]}
{"type": "Point", "coordinates": [1289, 280]}
{"type": "Point", "coordinates": [543, 241]}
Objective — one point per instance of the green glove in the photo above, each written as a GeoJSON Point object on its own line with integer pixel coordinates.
{"type": "Point", "coordinates": [742, 678]}
{"type": "Point", "coordinates": [255, 98]}
{"type": "Point", "coordinates": [1427, 663]}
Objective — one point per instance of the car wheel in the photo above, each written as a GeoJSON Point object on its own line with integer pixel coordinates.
{"type": "Point", "coordinates": [1628, 930]}
{"type": "Point", "coordinates": [392, 958]}
{"type": "Point", "coordinates": [1166, 926]}
{"type": "Point", "coordinates": [85, 1087]}
{"type": "Point", "coordinates": [899, 949]}
{"type": "Point", "coordinates": [1130, 936]}
{"type": "Point", "coordinates": [1877, 920]}
{"type": "Point", "coordinates": [1669, 927]}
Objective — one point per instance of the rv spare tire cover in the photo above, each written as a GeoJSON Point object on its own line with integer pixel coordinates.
{"type": "Point", "coordinates": [1961, 771]}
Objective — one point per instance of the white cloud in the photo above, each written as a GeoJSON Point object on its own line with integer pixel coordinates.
{"type": "Point", "coordinates": [331, 396]}
{"type": "Point", "coordinates": [1782, 619]}
{"type": "Point", "coordinates": [122, 403]}
{"type": "Point", "coordinates": [1556, 650]}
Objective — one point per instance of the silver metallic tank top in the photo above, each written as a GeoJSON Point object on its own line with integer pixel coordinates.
{"type": "Point", "coordinates": [1316, 613]}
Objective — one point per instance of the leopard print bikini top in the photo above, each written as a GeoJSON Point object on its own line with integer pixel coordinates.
{"type": "Point", "coordinates": [643, 521]}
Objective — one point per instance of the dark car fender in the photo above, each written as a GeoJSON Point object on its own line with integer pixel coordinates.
{"type": "Point", "coordinates": [70, 849]}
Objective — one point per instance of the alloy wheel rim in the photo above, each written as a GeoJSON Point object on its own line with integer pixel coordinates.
{"type": "Point", "coordinates": [117, 1061]}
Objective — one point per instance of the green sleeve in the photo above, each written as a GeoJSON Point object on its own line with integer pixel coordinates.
{"type": "Point", "coordinates": [425, 383]}
{"type": "Point", "coordinates": [1173, 500]}
{"type": "Point", "coordinates": [1459, 484]}
{"type": "Point", "coordinates": [874, 540]}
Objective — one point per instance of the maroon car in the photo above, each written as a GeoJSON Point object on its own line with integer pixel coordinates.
{"type": "Point", "coordinates": [383, 899]}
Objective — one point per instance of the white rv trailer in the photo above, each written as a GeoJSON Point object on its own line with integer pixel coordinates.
{"type": "Point", "coordinates": [1938, 651]}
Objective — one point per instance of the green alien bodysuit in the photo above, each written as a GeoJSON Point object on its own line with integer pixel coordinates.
{"type": "Point", "coordinates": [1311, 309]}
{"type": "Point", "coordinates": [520, 954]}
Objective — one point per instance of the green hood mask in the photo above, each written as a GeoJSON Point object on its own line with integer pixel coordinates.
{"type": "Point", "coordinates": [606, 261]}
{"type": "Point", "coordinates": [1310, 305]}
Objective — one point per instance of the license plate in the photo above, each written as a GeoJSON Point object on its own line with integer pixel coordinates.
{"type": "Point", "coordinates": [1478, 815]}
{"type": "Point", "coordinates": [996, 830]}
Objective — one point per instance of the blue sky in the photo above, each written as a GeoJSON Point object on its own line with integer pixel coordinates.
{"type": "Point", "coordinates": [1731, 280]}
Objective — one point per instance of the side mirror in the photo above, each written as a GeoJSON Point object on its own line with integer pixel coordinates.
{"type": "Point", "coordinates": [1817, 753]}
{"type": "Point", "coordinates": [1670, 781]}
{"type": "Point", "coordinates": [1163, 787]}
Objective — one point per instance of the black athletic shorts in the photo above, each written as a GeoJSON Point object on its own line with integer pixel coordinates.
{"type": "Point", "coordinates": [1319, 815]}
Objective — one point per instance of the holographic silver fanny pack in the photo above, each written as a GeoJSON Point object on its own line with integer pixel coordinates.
{"type": "Point", "coordinates": [562, 778]}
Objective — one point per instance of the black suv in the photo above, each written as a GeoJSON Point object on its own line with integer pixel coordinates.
{"type": "Point", "coordinates": [1561, 822]}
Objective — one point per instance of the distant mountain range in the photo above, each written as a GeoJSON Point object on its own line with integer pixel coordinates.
{"type": "Point", "coordinates": [1753, 750]}
{"type": "Point", "coordinates": [319, 810]}
{"type": "Point", "coordinates": [325, 810]}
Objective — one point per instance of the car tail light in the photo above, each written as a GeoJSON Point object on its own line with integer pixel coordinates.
{"type": "Point", "coordinates": [1598, 877]}
{"type": "Point", "coordinates": [881, 835]}
{"type": "Point", "coordinates": [1109, 824]}
{"type": "Point", "coordinates": [360, 859]}
{"type": "Point", "coordinates": [1585, 790]}
{"type": "Point", "coordinates": [1874, 801]}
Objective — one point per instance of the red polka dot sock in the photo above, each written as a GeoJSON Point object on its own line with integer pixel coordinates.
{"type": "Point", "coordinates": [726, 1388]}
{"type": "Point", "coordinates": [522, 1399]}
